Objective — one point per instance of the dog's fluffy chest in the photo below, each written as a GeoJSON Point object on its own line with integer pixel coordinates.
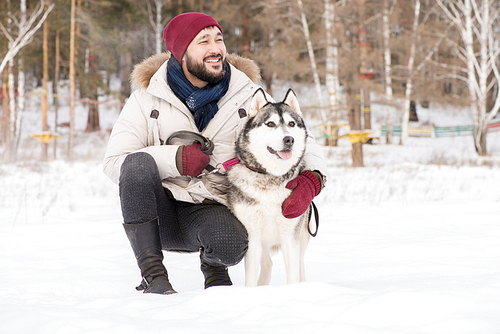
{"type": "Point", "coordinates": [256, 200]}
{"type": "Point", "coordinates": [253, 188]}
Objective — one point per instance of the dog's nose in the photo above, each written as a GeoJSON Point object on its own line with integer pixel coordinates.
{"type": "Point", "coordinates": [288, 141]}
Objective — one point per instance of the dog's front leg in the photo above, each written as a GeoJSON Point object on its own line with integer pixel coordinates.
{"type": "Point", "coordinates": [252, 260]}
{"type": "Point", "coordinates": [266, 265]}
{"type": "Point", "coordinates": [304, 240]}
{"type": "Point", "coordinates": [291, 254]}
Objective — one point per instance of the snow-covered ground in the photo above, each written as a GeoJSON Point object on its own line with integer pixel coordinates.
{"type": "Point", "coordinates": [408, 244]}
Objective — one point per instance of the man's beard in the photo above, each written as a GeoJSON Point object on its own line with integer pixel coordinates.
{"type": "Point", "coordinates": [199, 70]}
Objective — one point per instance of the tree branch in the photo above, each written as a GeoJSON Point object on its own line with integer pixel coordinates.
{"type": "Point", "coordinates": [25, 34]}
{"type": "Point", "coordinates": [6, 33]}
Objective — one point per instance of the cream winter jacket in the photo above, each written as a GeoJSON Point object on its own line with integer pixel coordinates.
{"type": "Point", "coordinates": [153, 112]}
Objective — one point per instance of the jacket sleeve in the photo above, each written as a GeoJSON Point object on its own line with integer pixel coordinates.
{"type": "Point", "coordinates": [130, 135]}
{"type": "Point", "coordinates": [314, 158]}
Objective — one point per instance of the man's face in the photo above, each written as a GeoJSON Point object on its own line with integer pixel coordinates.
{"type": "Point", "coordinates": [205, 58]}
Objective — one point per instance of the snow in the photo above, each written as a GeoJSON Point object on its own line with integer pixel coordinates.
{"type": "Point", "coordinates": [408, 244]}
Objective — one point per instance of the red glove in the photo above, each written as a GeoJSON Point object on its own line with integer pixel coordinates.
{"type": "Point", "coordinates": [194, 160]}
{"type": "Point", "coordinates": [305, 187]}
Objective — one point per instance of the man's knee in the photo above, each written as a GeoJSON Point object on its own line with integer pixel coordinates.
{"type": "Point", "coordinates": [226, 253]}
{"type": "Point", "coordinates": [225, 244]}
{"type": "Point", "coordinates": [138, 167]}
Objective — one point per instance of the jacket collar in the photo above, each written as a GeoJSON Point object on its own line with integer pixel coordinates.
{"type": "Point", "coordinates": [240, 89]}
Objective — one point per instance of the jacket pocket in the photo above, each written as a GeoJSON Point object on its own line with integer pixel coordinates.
{"type": "Point", "coordinates": [198, 191]}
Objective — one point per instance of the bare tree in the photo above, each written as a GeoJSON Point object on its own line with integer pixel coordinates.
{"type": "Point", "coordinates": [25, 32]}
{"type": "Point", "coordinates": [409, 80]}
{"type": "Point", "coordinates": [332, 61]}
{"type": "Point", "coordinates": [386, 32]}
{"type": "Point", "coordinates": [157, 22]}
{"type": "Point", "coordinates": [72, 83]}
{"type": "Point", "coordinates": [26, 28]}
{"type": "Point", "coordinates": [312, 58]}
{"type": "Point", "coordinates": [477, 22]}
{"type": "Point", "coordinates": [21, 88]}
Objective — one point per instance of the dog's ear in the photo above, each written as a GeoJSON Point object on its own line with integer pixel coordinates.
{"type": "Point", "coordinates": [292, 101]}
{"type": "Point", "coordinates": [258, 101]}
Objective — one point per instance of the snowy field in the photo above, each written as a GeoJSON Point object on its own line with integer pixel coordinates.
{"type": "Point", "coordinates": [408, 244]}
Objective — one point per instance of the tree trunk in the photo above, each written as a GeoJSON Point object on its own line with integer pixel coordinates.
{"type": "Point", "coordinates": [6, 112]}
{"type": "Point", "coordinates": [409, 82]}
{"type": "Point", "coordinates": [156, 23]}
{"type": "Point", "coordinates": [332, 66]}
{"type": "Point", "coordinates": [367, 115]}
{"type": "Point", "coordinates": [45, 126]}
{"type": "Point", "coordinates": [312, 58]}
{"type": "Point", "coordinates": [474, 20]}
{"type": "Point", "coordinates": [479, 136]}
{"type": "Point", "coordinates": [12, 108]}
{"type": "Point", "coordinates": [357, 154]}
{"type": "Point", "coordinates": [12, 92]}
{"type": "Point", "coordinates": [363, 70]}
{"type": "Point", "coordinates": [93, 115]}
{"type": "Point", "coordinates": [245, 39]}
{"type": "Point", "coordinates": [354, 111]}
{"type": "Point", "coordinates": [72, 84]}
{"type": "Point", "coordinates": [56, 90]}
{"type": "Point", "coordinates": [21, 89]}
{"type": "Point", "coordinates": [125, 70]}
{"type": "Point", "coordinates": [388, 70]}
{"type": "Point", "coordinates": [159, 28]}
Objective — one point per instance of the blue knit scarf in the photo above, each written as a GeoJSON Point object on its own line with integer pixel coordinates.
{"type": "Point", "coordinates": [201, 101]}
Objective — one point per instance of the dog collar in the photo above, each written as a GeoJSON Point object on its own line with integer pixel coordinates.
{"type": "Point", "coordinates": [233, 161]}
{"type": "Point", "coordinates": [253, 169]}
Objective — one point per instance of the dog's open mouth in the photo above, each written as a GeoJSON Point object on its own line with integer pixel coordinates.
{"type": "Point", "coordinates": [285, 154]}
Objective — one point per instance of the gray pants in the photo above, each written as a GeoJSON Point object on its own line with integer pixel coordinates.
{"type": "Point", "coordinates": [183, 226]}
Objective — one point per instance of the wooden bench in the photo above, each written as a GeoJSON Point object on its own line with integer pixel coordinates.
{"type": "Point", "coordinates": [412, 132]}
{"type": "Point", "coordinates": [451, 131]}
{"type": "Point", "coordinates": [354, 136]}
{"type": "Point", "coordinates": [330, 129]}
{"type": "Point", "coordinates": [360, 136]}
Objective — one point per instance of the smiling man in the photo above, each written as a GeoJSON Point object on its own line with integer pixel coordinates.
{"type": "Point", "coordinates": [208, 46]}
{"type": "Point", "coordinates": [167, 201]}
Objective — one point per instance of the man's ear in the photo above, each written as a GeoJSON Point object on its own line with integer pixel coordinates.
{"type": "Point", "coordinates": [258, 101]}
{"type": "Point", "coordinates": [292, 101]}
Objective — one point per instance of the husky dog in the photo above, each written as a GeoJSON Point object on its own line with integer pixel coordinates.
{"type": "Point", "coordinates": [270, 149]}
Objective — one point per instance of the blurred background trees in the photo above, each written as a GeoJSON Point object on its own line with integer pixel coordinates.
{"type": "Point", "coordinates": [351, 52]}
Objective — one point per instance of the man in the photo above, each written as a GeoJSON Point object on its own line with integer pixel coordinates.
{"type": "Point", "coordinates": [166, 203]}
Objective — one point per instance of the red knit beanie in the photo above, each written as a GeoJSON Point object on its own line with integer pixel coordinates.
{"type": "Point", "coordinates": [181, 30]}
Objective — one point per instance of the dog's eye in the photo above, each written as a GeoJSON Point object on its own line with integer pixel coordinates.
{"type": "Point", "coordinates": [291, 124]}
{"type": "Point", "coordinates": [271, 124]}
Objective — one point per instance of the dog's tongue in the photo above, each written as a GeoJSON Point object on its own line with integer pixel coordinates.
{"type": "Point", "coordinates": [285, 155]}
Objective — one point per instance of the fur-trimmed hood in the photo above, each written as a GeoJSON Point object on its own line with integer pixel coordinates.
{"type": "Point", "coordinates": [144, 71]}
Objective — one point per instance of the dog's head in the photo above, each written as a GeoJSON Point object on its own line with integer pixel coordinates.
{"type": "Point", "coordinates": [274, 136]}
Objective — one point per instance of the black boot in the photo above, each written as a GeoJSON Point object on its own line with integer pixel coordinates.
{"type": "Point", "coordinates": [145, 241]}
{"type": "Point", "coordinates": [215, 275]}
